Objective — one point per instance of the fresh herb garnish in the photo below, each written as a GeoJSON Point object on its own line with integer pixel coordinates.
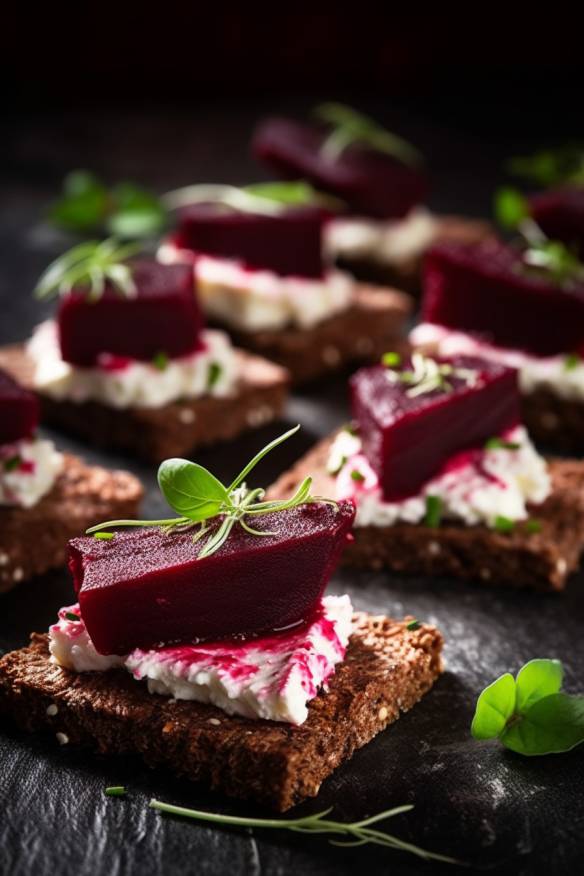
{"type": "Point", "coordinates": [358, 833]}
{"type": "Point", "coordinates": [350, 127]}
{"type": "Point", "coordinates": [204, 502]}
{"type": "Point", "coordinates": [503, 524]}
{"type": "Point", "coordinates": [160, 361]}
{"type": "Point", "coordinates": [413, 625]}
{"type": "Point", "coordinates": [213, 375]}
{"type": "Point", "coordinates": [433, 511]}
{"type": "Point", "coordinates": [500, 444]}
{"type": "Point", "coordinates": [551, 167]}
{"type": "Point", "coordinates": [358, 476]}
{"type": "Point", "coordinates": [115, 791]}
{"type": "Point", "coordinates": [89, 266]}
{"type": "Point", "coordinates": [350, 428]}
{"type": "Point", "coordinates": [72, 617]}
{"type": "Point", "coordinates": [125, 210]}
{"type": "Point", "coordinates": [428, 375]}
{"type": "Point", "coordinates": [12, 463]}
{"type": "Point", "coordinates": [104, 536]}
{"type": "Point", "coordinates": [391, 360]}
{"type": "Point", "coordinates": [538, 252]}
{"type": "Point", "coordinates": [269, 198]}
{"type": "Point", "coordinates": [340, 464]}
{"type": "Point", "coordinates": [528, 714]}
{"type": "Point", "coordinates": [532, 526]}
{"type": "Point", "coordinates": [572, 361]}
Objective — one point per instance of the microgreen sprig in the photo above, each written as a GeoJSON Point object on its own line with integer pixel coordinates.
{"type": "Point", "coordinates": [211, 507]}
{"type": "Point", "coordinates": [90, 266]}
{"type": "Point", "coordinates": [539, 253]}
{"type": "Point", "coordinates": [551, 167]}
{"type": "Point", "coordinates": [427, 375]}
{"type": "Point", "coordinates": [349, 126]}
{"type": "Point", "coordinates": [529, 714]}
{"type": "Point", "coordinates": [358, 833]}
{"type": "Point", "coordinates": [267, 198]}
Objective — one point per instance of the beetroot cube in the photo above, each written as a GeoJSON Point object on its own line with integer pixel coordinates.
{"type": "Point", "coordinates": [486, 289]}
{"type": "Point", "coordinates": [560, 215]}
{"type": "Point", "coordinates": [145, 587]}
{"type": "Point", "coordinates": [19, 410]}
{"type": "Point", "coordinates": [163, 317]}
{"type": "Point", "coordinates": [289, 243]}
{"type": "Point", "coordinates": [407, 439]}
{"type": "Point", "coordinates": [371, 183]}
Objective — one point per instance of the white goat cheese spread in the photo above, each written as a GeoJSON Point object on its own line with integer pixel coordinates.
{"type": "Point", "coordinates": [476, 486]}
{"type": "Point", "coordinates": [261, 300]}
{"type": "Point", "coordinates": [124, 383]}
{"type": "Point", "coordinates": [563, 375]}
{"type": "Point", "coordinates": [28, 470]}
{"type": "Point", "coordinates": [271, 677]}
{"type": "Point", "coordinates": [387, 242]}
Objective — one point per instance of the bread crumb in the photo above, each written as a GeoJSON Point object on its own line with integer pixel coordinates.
{"type": "Point", "coordinates": [52, 710]}
{"type": "Point", "coordinates": [168, 727]}
{"type": "Point", "coordinates": [187, 415]}
{"type": "Point", "coordinates": [62, 738]}
{"type": "Point", "coordinates": [485, 573]}
{"type": "Point", "coordinates": [561, 566]}
{"type": "Point", "coordinates": [214, 721]}
{"type": "Point", "coordinates": [18, 574]}
{"type": "Point", "coordinates": [4, 558]}
{"type": "Point", "coordinates": [382, 713]}
{"type": "Point", "coordinates": [434, 548]}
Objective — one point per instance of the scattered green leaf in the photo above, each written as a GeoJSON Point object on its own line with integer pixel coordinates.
{"type": "Point", "coordinates": [391, 359]}
{"type": "Point", "coordinates": [12, 463]}
{"type": "Point", "coordinates": [413, 625]}
{"type": "Point", "coordinates": [215, 371]}
{"type": "Point", "coordinates": [358, 476]}
{"type": "Point", "coordinates": [115, 791]}
{"type": "Point", "coordinates": [551, 167]}
{"type": "Point", "coordinates": [104, 536]}
{"type": "Point", "coordinates": [511, 208]}
{"type": "Point", "coordinates": [160, 361]}
{"type": "Point", "coordinates": [572, 361]}
{"type": "Point", "coordinates": [433, 511]}
{"type": "Point", "coordinates": [501, 444]}
{"type": "Point", "coordinates": [70, 616]}
{"type": "Point", "coordinates": [428, 375]}
{"type": "Point", "coordinates": [532, 526]}
{"type": "Point", "coordinates": [89, 266]}
{"type": "Point", "coordinates": [494, 708]}
{"type": "Point", "coordinates": [503, 524]}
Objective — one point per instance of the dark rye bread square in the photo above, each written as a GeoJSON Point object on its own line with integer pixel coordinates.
{"type": "Point", "coordinates": [553, 421]}
{"type": "Point", "coordinates": [406, 273]}
{"type": "Point", "coordinates": [34, 540]}
{"type": "Point", "coordinates": [386, 671]}
{"type": "Point", "coordinates": [541, 560]}
{"type": "Point", "coordinates": [175, 429]}
{"type": "Point", "coordinates": [374, 323]}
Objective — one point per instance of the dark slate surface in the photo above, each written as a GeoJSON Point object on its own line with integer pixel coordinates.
{"type": "Point", "coordinates": [474, 801]}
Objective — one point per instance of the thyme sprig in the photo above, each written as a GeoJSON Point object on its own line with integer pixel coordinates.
{"type": "Point", "coordinates": [210, 507]}
{"type": "Point", "coordinates": [357, 833]}
{"type": "Point", "coordinates": [90, 266]}
{"type": "Point", "coordinates": [350, 127]}
{"type": "Point", "coordinates": [267, 198]}
{"type": "Point", "coordinates": [427, 375]}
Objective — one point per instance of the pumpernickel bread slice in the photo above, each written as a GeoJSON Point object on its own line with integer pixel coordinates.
{"type": "Point", "coordinates": [34, 540]}
{"type": "Point", "coordinates": [374, 323]}
{"type": "Point", "coordinates": [387, 669]}
{"type": "Point", "coordinates": [175, 429]}
{"type": "Point", "coordinates": [542, 560]}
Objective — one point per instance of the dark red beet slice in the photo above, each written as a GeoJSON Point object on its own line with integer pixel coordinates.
{"type": "Point", "coordinates": [560, 214]}
{"type": "Point", "coordinates": [288, 244]}
{"type": "Point", "coordinates": [407, 440]}
{"type": "Point", "coordinates": [164, 317]}
{"type": "Point", "coordinates": [144, 587]}
{"type": "Point", "coordinates": [370, 183]}
{"type": "Point", "coordinates": [484, 289]}
{"type": "Point", "coordinates": [19, 410]}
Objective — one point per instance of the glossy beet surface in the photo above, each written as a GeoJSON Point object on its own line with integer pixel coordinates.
{"type": "Point", "coordinates": [19, 412]}
{"type": "Point", "coordinates": [144, 587]}
{"type": "Point", "coordinates": [407, 440]}
{"type": "Point", "coordinates": [163, 317]}
{"type": "Point", "coordinates": [486, 290]}
{"type": "Point", "coordinates": [288, 244]}
{"type": "Point", "coordinates": [370, 183]}
{"type": "Point", "coordinates": [560, 214]}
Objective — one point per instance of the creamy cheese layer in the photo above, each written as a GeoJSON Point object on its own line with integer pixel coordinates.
{"type": "Point", "coordinates": [386, 242]}
{"type": "Point", "coordinates": [28, 470]}
{"type": "Point", "coordinates": [474, 487]}
{"type": "Point", "coordinates": [257, 300]}
{"type": "Point", "coordinates": [563, 375]}
{"type": "Point", "coordinates": [123, 383]}
{"type": "Point", "coordinates": [272, 678]}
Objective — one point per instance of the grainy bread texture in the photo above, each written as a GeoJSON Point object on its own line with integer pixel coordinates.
{"type": "Point", "coordinates": [387, 669]}
{"type": "Point", "coordinates": [406, 273]}
{"type": "Point", "coordinates": [33, 540]}
{"type": "Point", "coordinates": [542, 560]}
{"type": "Point", "coordinates": [554, 422]}
{"type": "Point", "coordinates": [175, 429]}
{"type": "Point", "coordinates": [373, 324]}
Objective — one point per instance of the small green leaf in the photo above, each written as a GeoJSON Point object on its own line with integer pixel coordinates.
{"type": "Point", "coordinates": [104, 536]}
{"type": "Point", "coordinates": [358, 476]}
{"type": "Point", "coordinates": [136, 222]}
{"type": "Point", "coordinates": [433, 511]}
{"type": "Point", "coordinates": [259, 456]}
{"type": "Point", "coordinates": [533, 526]}
{"type": "Point", "coordinates": [295, 193]}
{"type": "Point", "coordinates": [413, 625]}
{"type": "Point", "coordinates": [349, 127]}
{"type": "Point", "coordinates": [391, 360]}
{"type": "Point", "coordinates": [551, 167]}
{"type": "Point", "coordinates": [552, 725]}
{"type": "Point", "coordinates": [501, 444]}
{"type": "Point", "coordinates": [495, 706]}
{"type": "Point", "coordinates": [537, 679]}
{"type": "Point", "coordinates": [511, 208]}
{"type": "Point", "coordinates": [72, 617]}
{"type": "Point", "coordinates": [160, 361]}
{"type": "Point", "coordinates": [12, 463]}
{"type": "Point", "coordinates": [115, 791]}
{"type": "Point", "coordinates": [191, 490]}
{"type": "Point", "coordinates": [571, 361]}
{"type": "Point", "coordinates": [83, 205]}
{"type": "Point", "coordinates": [213, 375]}
{"type": "Point", "coordinates": [503, 524]}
